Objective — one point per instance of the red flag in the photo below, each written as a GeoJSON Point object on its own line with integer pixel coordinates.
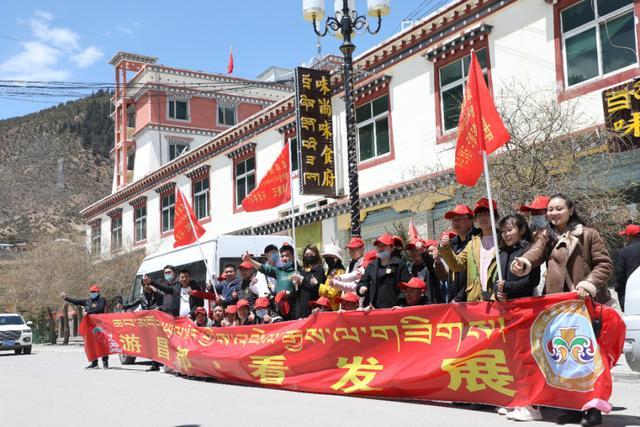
{"type": "Point", "coordinates": [275, 187]}
{"type": "Point", "coordinates": [413, 234]}
{"type": "Point", "coordinates": [477, 111]}
{"type": "Point", "coordinates": [230, 65]}
{"type": "Point", "coordinates": [183, 229]}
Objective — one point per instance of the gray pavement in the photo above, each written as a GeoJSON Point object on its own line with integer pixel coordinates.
{"type": "Point", "coordinates": [51, 388]}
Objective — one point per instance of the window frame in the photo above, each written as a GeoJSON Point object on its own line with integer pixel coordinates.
{"type": "Point", "coordinates": [141, 219]}
{"type": "Point", "coordinates": [373, 120]}
{"type": "Point", "coordinates": [188, 108]}
{"type": "Point", "coordinates": [206, 193]}
{"type": "Point", "coordinates": [96, 230]}
{"type": "Point", "coordinates": [116, 230]}
{"type": "Point", "coordinates": [237, 205]}
{"type": "Point", "coordinates": [223, 109]}
{"type": "Point", "coordinates": [595, 24]}
{"type": "Point", "coordinates": [186, 146]}
{"type": "Point", "coordinates": [172, 212]}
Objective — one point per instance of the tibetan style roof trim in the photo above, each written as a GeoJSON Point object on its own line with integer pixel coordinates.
{"type": "Point", "coordinates": [115, 212]}
{"type": "Point", "coordinates": [465, 39]}
{"type": "Point", "coordinates": [220, 96]}
{"type": "Point", "coordinates": [391, 194]}
{"type": "Point", "coordinates": [372, 86]}
{"type": "Point", "coordinates": [127, 56]}
{"type": "Point", "coordinates": [289, 127]}
{"type": "Point", "coordinates": [178, 139]}
{"type": "Point", "coordinates": [245, 149]}
{"type": "Point", "coordinates": [139, 202]}
{"type": "Point", "coordinates": [223, 101]}
{"type": "Point", "coordinates": [94, 222]}
{"type": "Point", "coordinates": [198, 172]}
{"type": "Point", "coordinates": [180, 129]}
{"type": "Point", "coordinates": [169, 187]}
{"type": "Point", "coordinates": [179, 96]}
{"type": "Point", "coordinates": [269, 118]}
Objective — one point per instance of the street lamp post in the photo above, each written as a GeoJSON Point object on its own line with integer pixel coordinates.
{"type": "Point", "coordinates": [344, 24]}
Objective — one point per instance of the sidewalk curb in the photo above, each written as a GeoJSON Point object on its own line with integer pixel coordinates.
{"type": "Point", "coordinates": [626, 377]}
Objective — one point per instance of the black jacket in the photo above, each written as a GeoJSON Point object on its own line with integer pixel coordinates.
{"type": "Point", "coordinates": [516, 286]}
{"type": "Point", "coordinates": [306, 292]}
{"type": "Point", "coordinates": [245, 292]}
{"type": "Point", "coordinates": [147, 301]}
{"type": "Point", "coordinates": [627, 262]}
{"type": "Point", "coordinates": [382, 282]}
{"type": "Point", "coordinates": [427, 272]}
{"type": "Point", "coordinates": [91, 306]}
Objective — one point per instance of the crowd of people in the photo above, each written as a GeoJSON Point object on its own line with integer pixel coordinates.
{"type": "Point", "coordinates": [544, 248]}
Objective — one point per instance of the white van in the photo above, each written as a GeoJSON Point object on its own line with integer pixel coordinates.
{"type": "Point", "coordinates": [632, 320]}
{"type": "Point", "coordinates": [219, 251]}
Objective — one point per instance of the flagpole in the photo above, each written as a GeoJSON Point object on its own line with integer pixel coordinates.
{"type": "Point", "coordinates": [487, 180]}
{"type": "Point", "coordinates": [193, 229]}
{"type": "Point", "coordinates": [293, 206]}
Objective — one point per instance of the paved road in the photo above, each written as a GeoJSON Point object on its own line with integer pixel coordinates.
{"type": "Point", "coordinates": [51, 388]}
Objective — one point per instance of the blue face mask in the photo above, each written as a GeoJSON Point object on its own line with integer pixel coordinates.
{"type": "Point", "coordinates": [275, 257]}
{"type": "Point", "coordinates": [383, 254]}
{"type": "Point", "coordinates": [168, 277]}
{"type": "Point", "coordinates": [94, 295]}
{"type": "Point", "coordinates": [287, 265]}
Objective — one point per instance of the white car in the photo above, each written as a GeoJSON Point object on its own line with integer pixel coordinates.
{"type": "Point", "coordinates": [15, 333]}
{"type": "Point", "coordinates": [632, 320]}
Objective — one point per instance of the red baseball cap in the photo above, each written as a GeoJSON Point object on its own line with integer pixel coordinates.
{"type": "Point", "coordinates": [540, 202]}
{"type": "Point", "coordinates": [94, 288]}
{"type": "Point", "coordinates": [484, 204]}
{"type": "Point", "coordinates": [246, 265]}
{"type": "Point", "coordinates": [428, 243]}
{"type": "Point", "coordinates": [630, 230]}
{"type": "Point", "coordinates": [201, 310]}
{"type": "Point", "coordinates": [458, 210]}
{"type": "Point", "coordinates": [283, 303]}
{"type": "Point", "coordinates": [369, 257]}
{"type": "Point", "coordinates": [386, 239]}
{"type": "Point", "coordinates": [231, 309]}
{"type": "Point", "coordinates": [350, 297]}
{"type": "Point", "coordinates": [355, 243]}
{"type": "Point", "coordinates": [320, 302]}
{"type": "Point", "coordinates": [242, 303]}
{"type": "Point", "coordinates": [414, 283]}
{"type": "Point", "coordinates": [262, 303]}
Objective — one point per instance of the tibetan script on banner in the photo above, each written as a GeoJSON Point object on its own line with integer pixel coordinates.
{"type": "Point", "coordinates": [315, 132]}
{"type": "Point", "coordinates": [622, 115]}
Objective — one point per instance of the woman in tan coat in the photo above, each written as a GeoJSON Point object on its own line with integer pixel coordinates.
{"type": "Point", "coordinates": [577, 261]}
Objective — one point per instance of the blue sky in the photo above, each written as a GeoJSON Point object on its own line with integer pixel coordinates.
{"type": "Point", "coordinates": [73, 40]}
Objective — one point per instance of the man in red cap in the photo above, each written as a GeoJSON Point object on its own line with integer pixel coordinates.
{"type": "Point", "coordinates": [379, 283]}
{"type": "Point", "coordinates": [201, 318]}
{"type": "Point", "coordinates": [245, 316]}
{"type": "Point", "coordinates": [414, 292]}
{"type": "Point", "coordinates": [321, 304]}
{"type": "Point", "coordinates": [423, 266]}
{"type": "Point", "coordinates": [538, 211]}
{"type": "Point", "coordinates": [349, 301]}
{"type": "Point", "coordinates": [264, 313]}
{"type": "Point", "coordinates": [461, 218]}
{"type": "Point", "coordinates": [252, 285]}
{"type": "Point", "coordinates": [628, 260]}
{"type": "Point", "coordinates": [230, 316]}
{"type": "Point", "coordinates": [356, 251]}
{"type": "Point", "coordinates": [95, 304]}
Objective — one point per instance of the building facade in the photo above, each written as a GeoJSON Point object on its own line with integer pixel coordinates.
{"type": "Point", "coordinates": [215, 136]}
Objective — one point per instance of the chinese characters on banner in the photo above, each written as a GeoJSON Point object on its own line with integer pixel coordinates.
{"type": "Point", "coordinates": [443, 352]}
{"type": "Point", "coordinates": [622, 115]}
{"type": "Point", "coordinates": [315, 132]}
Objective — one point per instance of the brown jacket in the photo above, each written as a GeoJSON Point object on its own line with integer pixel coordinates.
{"type": "Point", "coordinates": [580, 259]}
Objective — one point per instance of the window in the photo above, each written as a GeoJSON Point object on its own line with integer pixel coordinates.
{"type": "Point", "coordinates": [372, 121]}
{"type": "Point", "coordinates": [201, 198]}
{"type": "Point", "coordinates": [226, 116]}
{"type": "Point", "coordinates": [177, 149]}
{"type": "Point", "coordinates": [598, 37]}
{"type": "Point", "coordinates": [140, 223]}
{"type": "Point", "coordinates": [167, 207]}
{"type": "Point", "coordinates": [96, 236]}
{"type": "Point", "coordinates": [453, 77]}
{"type": "Point", "coordinates": [293, 146]}
{"type": "Point", "coordinates": [116, 233]}
{"type": "Point", "coordinates": [178, 110]}
{"type": "Point", "coordinates": [245, 178]}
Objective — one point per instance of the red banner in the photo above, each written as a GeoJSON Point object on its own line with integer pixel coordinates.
{"type": "Point", "coordinates": [540, 351]}
{"type": "Point", "coordinates": [275, 187]}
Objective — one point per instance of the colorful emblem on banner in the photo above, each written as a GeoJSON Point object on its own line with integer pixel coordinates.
{"type": "Point", "coordinates": [105, 336]}
{"type": "Point", "coordinates": [565, 348]}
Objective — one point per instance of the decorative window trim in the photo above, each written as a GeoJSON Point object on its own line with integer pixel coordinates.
{"type": "Point", "coordinates": [194, 181]}
{"type": "Point", "coordinates": [614, 78]}
{"type": "Point", "coordinates": [391, 155]}
{"type": "Point", "coordinates": [139, 202]}
{"type": "Point", "coordinates": [227, 103]}
{"type": "Point", "coordinates": [114, 213]}
{"type": "Point", "coordinates": [373, 88]}
{"type": "Point", "coordinates": [165, 233]}
{"type": "Point", "coordinates": [96, 222]}
{"type": "Point", "coordinates": [247, 155]}
{"type": "Point", "coordinates": [462, 42]}
{"type": "Point", "coordinates": [116, 219]}
{"type": "Point", "coordinates": [177, 96]}
{"type": "Point", "coordinates": [199, 172]}
{"type": "Point", "coordinates": [245, 151]}
{"type": "Point", "coordinates": [135, 220]}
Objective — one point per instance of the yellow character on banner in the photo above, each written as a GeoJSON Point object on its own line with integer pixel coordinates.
{"type": "Point", "coordinates": [130, 343]}
{"type": "Point", "coordinates": [328, 178]}
{"type": "Point", "coordinates": [306, 81]}
{"type": "Point", "coordinates": [307, 103]}
{"type": "Point", "coordinates": [618, 100]}
{"type": "Point", "coordinates": [634, 125]}
{"type": "Point", "coordinates": [163, 348]}
{"type": "Point", "coordinates": [269, 369]}
{"type": "Point", "coordinates": [483, 369]}
{"type": "Point", "coordinates": [323, 85]}
{"type": "Point", "coordinates": [325, 128]}
{"type": "Point", "coordinates": [416, 329]}
{"type": "Point", "coordinates": [327, 153]}
{"type": "Point", "coordinates": [325, 106]}
{"type": "Point", "coordinates": [182, 359]}
{"type": "Point", "coordinates": [311, 176]}
{"type": "Point", "coordinates": [310, 144]}
{"type": "Point", "coordinates": [310, 160]}
{"type": "Point", "coordinates": [358, 374]}
{"type": "Point", "coordinates": [308, 123]}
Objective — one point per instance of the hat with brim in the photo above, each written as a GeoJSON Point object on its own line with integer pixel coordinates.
{"type": "Point", "coordinates": [94, 288]}
{"type": "Point", "coordinates": [242, 303]}
{"type": "Point", "coordinates": [355, 243]}
{"type": "Point", "coordinates": [262, 303]}
{"type": "Point", "coordinates": [350, 297]}
{"type": "Point", "coordinates": [332, 250]}
{"type": "Point", "coordinates": [246, 265]}
{"type": "Point", "coordinates": [630, 230]}
{"type": "Point", "coordinates": [385, 239]}
{"type": "Point", "coordinates": [231, 309]}
{"type": "Point", "coordinates": [458, 211]}
{"type": "Point", "coordinates": [539, 203]}
{"type": "Point", "coordinates": [200, 310]}
{"type": "Point", "coordinates": [484, 204]}
{"type": "Point", "coordinates": [320, 302]}
{"type": "Point", "coordinates": [414, 283]}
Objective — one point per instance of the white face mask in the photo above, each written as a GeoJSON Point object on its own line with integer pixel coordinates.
{"type": "Point", "coordinates": [539, 221]}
